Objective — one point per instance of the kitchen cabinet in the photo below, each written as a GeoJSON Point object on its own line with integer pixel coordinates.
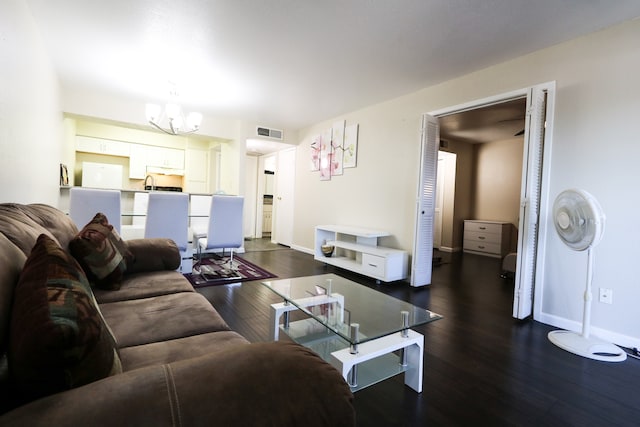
{"type": "Point", "coordinates": [108, 147]}
{"type": "Point", "coordinates": [488, 238]}
{"type": "Point", "coordinates": [170, 158]}
{"type": "Point", "coordinates": [142, 156]}
{"type": "Point", "coordinates": [137, 162]}
{"type": "Point", "coordinates": [267, 218]}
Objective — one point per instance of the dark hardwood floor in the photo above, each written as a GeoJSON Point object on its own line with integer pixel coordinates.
{"type": "Point", "coordinates": [482, 367]}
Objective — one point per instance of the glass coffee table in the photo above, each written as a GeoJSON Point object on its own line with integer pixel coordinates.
{"type": "Point", "coordinates": [364, 333]}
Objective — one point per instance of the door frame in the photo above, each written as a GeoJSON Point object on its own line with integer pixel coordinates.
{"type": "Point", "coordinates": [549, 87]}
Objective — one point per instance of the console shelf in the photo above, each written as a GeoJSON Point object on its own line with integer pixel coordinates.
{"type": "Point", "coordinates": [357, 249]}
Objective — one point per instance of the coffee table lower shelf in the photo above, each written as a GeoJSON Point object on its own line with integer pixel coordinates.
{"type": "Point", "coordinates": [375, 361]}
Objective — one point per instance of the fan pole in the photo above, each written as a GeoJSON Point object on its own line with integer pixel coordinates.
{"type": "Point", "coordinates": [588, 296]}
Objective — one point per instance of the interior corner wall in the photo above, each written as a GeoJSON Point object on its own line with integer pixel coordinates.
{"type": "Point", "coordinates": [594, 138]}
{"type": "Point", "coordinates": [32, 125]}
{"type": "Point", "coordinates": [498, 180]}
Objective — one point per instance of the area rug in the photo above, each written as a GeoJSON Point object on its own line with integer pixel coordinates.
{"type": "Point", "coordinates": [217, 272]}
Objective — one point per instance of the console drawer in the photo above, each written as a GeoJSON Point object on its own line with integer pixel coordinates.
{"type": "Point", "coordinates": [373, 264]}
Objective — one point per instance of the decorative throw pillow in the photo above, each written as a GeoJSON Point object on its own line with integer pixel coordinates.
{"type": "Point", "coordinates": [101, 252]}
{"type": "Point", "coordinates": [58, 338]}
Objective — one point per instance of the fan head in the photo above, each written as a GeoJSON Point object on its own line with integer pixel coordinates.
{"type": "Point", "coordinates": [578, 219]}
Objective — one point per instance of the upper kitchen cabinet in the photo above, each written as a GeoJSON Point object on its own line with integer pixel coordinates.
{"type": "Point", "coordinates": [102, 146]}
{"type": "Point", "coordinates": [143, 156]}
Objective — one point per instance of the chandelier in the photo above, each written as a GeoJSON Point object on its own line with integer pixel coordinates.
{"type": "Point", "coordinates": [177, 123]}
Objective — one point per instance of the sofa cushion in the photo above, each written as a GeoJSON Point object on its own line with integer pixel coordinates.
{"type": "Point", "coordinates": [145, 285]}
{"type": "Point", "coordinates": [58, 338]}
{"type": "Point", "coordinates": [165, 317]}
{"type": "Point", "coordinates": [56, 222]}
{"type": "Point", "coordinates": [170, 351]}
{"type": "Point", "coordinates": [12, 260]}
{"type": "Point", "coordinates": [101, 252]}
{"type": "Point", "coordinates": [19, 228]}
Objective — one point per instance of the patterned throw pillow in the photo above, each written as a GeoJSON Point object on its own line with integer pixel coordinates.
{"type": "Point", "coordinates": [58, 338]}
{"type": "Point", "coordinates": [101, 252]}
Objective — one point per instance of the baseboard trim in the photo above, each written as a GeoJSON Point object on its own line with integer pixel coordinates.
{"type": "Point", "coordinates": [572, 325]}
{"type": "Point", "coordinates": [448, 249]}
{"type": "Point", "coordinates": [302, 249]}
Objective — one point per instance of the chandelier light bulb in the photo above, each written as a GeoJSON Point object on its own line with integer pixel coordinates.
{"type": "Point", "coordinates": [173, 111]}
{"type": "Point", "coordinates": [176, 121]}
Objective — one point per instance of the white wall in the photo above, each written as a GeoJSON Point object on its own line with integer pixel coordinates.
{"type": "Point", "coordinates": [498, 179]}
{"type": "Point", "coordinates": [594, 147]}
{"type": "Point", "coordinates": [31, 128]}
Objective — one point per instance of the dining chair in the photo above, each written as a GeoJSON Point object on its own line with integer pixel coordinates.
{"type": "Point", "coordinates": [168, 217]}
{"type": "Point", "coordinates": [85, 203]}
{"type": "Point", "coordinates": [225, 229]}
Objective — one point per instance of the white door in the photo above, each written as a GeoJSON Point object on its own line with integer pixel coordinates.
{"type": "Point", "coordinates": [422, 259]}
{"type": "Point", "coordinates": [283, 197]}
{"type": "Point", "coordinates": [532, 171]}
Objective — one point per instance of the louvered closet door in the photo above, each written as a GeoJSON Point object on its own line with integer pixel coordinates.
{"type": "Point", "coordinates": [529, 223]}
{"type": "Point", "coordinates": [421, 264]}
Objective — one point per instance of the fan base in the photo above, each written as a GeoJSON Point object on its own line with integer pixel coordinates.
{"type": "Point", "coordinates": [592, 348]}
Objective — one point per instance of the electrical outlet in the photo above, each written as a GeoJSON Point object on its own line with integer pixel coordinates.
{"type": "Point", "coordinates": [606, 295]}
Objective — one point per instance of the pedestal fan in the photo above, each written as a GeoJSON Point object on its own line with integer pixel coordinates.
{"type": "Point", "coordinates": [579, 222]}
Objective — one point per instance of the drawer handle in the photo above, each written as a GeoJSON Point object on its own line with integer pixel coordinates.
{"type": "Point", "coordinates": [480, 247]}
{"type": "Point", "coordinates": [372, 265]}
{"type": "Point", "coordinates": [481, 237]}
{"type": "Point", "coordinates": [482, 228]}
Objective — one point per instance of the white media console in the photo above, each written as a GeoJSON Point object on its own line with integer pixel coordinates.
{"type": "Point", "coordinates": [357, 249]}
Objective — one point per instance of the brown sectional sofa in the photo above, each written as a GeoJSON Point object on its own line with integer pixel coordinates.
{"type": "Point", "coordinates": [179, 362]}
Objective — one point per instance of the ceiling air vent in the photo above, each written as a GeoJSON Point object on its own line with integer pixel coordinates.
{"type": "Point", "coordinates": [269, 133]}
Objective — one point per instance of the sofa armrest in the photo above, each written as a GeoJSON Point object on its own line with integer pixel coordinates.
{"type": "Point", "coordinates": [153, 254]}
{"type": "Point", "coordinates": [263, 384]}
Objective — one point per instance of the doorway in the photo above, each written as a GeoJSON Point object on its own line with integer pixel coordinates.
{"type": "Point", "coordinates": [270, 220]}
{"type": "Point", "coordinates": [533, 193]}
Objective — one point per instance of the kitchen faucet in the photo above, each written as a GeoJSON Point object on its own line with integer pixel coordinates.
{"type": "Point", "coordinates": [153, 182]}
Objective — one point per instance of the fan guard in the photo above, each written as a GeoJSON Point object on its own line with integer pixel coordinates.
{"type": "Point", "coordinates": [578, 219]}
{"type": "Point", "coordinates": [579, 222]}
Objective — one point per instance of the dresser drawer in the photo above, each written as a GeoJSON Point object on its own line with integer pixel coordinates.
{"type": "Point", "coordinates": [373, 264]}
{"type": "Point", "coordinates": [483, 227]}
{"type": "Point", "coordinates": [476, 246]}
{"type": "Point", "coordinates": [483, 237]}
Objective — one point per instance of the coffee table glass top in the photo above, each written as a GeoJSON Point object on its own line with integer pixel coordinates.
{"type": "Point", "coordinates": [337, 303]}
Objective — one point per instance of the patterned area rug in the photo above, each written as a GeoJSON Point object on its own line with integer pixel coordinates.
{"type": "Point", "coordinates": [216, 271]}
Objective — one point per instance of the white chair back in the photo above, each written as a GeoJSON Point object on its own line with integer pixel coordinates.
{"type": "Point", "coordinates": [225, 222]}
{"type": "Point", "coordinates": [168, 216]}
{"type": "Point", "coordinates": [85, 203]}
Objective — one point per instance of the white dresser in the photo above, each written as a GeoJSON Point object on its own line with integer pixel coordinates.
{"type": "Point", "coordinates": [490, 238]}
